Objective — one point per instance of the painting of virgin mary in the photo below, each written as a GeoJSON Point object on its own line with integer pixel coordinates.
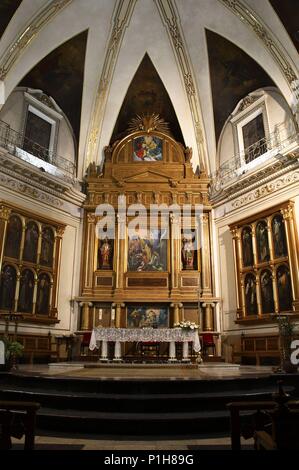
{"type": "Point", "coordinates": [147, 148]}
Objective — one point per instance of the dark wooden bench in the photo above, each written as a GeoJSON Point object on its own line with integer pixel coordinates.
{"type": "Point", "coordinates": [26, 411]}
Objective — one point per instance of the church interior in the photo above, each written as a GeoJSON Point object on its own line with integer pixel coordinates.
{"type": "Point", "coordinates": [149, 211]}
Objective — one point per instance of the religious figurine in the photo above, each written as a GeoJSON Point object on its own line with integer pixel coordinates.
{"type": "Point", "coordinates": [43, 295]}
{"type": "Point", "coordinates": [105, 254]}
{"type": "Point", "coordinates": [284, 288]}
{"type": "Point", "coordinates": [188, 253]}
{"type": "Point", "coordinates": [279, 239]}
{"type": "Point", "coordinates": [46, 257]}
{"type": "Point", "coordinates": [247, 247]}
{"type": "Point", "coordinates": [8, 288]}
{"type": "Point", "coordinates": [262, 242]}
{"type": "Point", "coordinates": [267, 292]}
{"type": "Point", "coordinates": [250, 295]}
{"type": "Point", "coordinates": [31, 241]}
{"type": "Point", "coordinates": [26, 291]}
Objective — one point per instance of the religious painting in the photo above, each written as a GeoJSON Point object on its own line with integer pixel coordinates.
{"type": "Point", "coordinates": [263, 252]}
{"type": "Point", "coordinates": [188, 251]}
{"type": "Point", "coordinates": [147, 317]}
{"type": "Point", "coordinates": [31, 242]}
{"type": "Point", "coordinates": [284, 288]}
{"type": "Point", "coordinates": [47, 249]}
{"type": "Point", "coordinates": [43, 294]}
{"type": "Point", "coordinates": [279, 237]}
{"type": "Point", "coordinates": [254, 138]}
{"type": "Point", "coordinates": [148, 253]}
{"type": "Point", "coordinates": [13, 237]}
{"type": "Point", "coordinates": [105, 254]}
{"type": "Point", "coordinates": [8, 288]}
{"type": "Point", "coordinates": [250, 294]}
{"type": "Point", "coordinates": [247, 250]}
{"type": "Point", "coordinates": [147, 148]}
{"type": "Point", "coordinates": [26, 291]}
{"type": "Point", "coordinates": [37, 136]}
{"type": "Point", "coordinates": [267, 292]}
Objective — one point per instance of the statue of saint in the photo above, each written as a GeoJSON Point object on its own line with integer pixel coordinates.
{"type": "Point", "coordinates": [188, 253]}
{"type": "Point", "coordinates": [105, 252]}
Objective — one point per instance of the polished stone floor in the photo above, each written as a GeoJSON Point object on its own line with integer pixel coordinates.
{"type": "Point", "coordinates": [177, 371]}
{"type": "Point", "coordinates": [64, 441]}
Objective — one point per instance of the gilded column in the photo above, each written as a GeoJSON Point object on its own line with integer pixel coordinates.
{"type": "Point", "coordinates": [56, 270]}
{"type": "Point", "coordinates": [238, 267]}
{"type": "Point", "coordinates": [254, 247]}
{"type": "Point", "coordinates": [291, 234]}
{"type": "Point", "coordinates": [176, 313]}
{"type": "Point", "coordinates": [121, 254]}
{"type": "Point", "coordinates": [118, 314]}
{"type": "Point", "coordinates": [85, 317]}
{"type": "Point", "coordinates": [206, 256]}
{"type": "Point", "coordinates": [208, 316]}
{"type": "Point", "coordinates": [89, 258]}
{"type": "Point", "coordinates": [4, 216]}
{"type": "Point", "coordinates": [258, 296]}
{"type": "Point", "coordinates": [175, 251]}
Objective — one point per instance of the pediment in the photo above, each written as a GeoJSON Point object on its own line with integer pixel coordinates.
{"type": "Point", "coordinates": [148, 176]}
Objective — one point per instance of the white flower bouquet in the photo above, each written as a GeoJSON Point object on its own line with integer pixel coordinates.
{"type": "Point", "coordinates": [186, 325]}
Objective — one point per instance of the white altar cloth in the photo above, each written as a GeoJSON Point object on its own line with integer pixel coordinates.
{"type": "Point", "coordinates": [162, 335]}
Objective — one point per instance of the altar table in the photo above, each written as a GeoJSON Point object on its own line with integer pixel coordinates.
{"type": "Point", "coordinates": [161, 335]}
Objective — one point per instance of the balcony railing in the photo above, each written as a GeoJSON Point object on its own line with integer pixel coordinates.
{"type": "Point", "coordinates": [22, 147]}
{"type": "Point", "coordinates": [258, 153]}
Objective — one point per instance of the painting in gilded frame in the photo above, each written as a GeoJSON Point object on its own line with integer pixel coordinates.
{"type": "Point", "coordinates": [150, 316]}
{"type": "Point", "coordinates": [147, 148]}
{"type": "Point", "coordinates": [148, 253]}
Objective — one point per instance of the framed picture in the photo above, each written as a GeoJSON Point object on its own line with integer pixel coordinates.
{"type": "Point", "coordinates": [147, 148]}
{"type": "Point", "coordinates": [148, 253]}
{"type": "Point", "coordinates": [150, 316]}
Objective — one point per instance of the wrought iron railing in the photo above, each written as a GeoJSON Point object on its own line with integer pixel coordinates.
{"type": "Point", "coordinates": [243, 162]}
{"type": "Point", "coordinates": [20, 146]}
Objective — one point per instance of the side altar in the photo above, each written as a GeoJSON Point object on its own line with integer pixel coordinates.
{"type": "Point", "coordinates": [146, 258]}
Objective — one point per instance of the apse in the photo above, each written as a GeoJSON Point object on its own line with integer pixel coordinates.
{"type": "Point", "coordinates": [146, 95]}
{"type": "Point", "coordinates": [60, 75]}
{"type": "Point", "coordinates": [233, 74]}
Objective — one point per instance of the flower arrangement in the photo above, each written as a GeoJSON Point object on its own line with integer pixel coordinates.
{"type": "Point", "coordinates": [186, 325]}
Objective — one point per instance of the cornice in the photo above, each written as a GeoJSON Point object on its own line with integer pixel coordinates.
{"type": "Point", "coordinates": [28, 34]}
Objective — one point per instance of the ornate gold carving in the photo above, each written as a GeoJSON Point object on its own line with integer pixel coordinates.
{"type": "Point", "coordinates": [251, 19]}
{"type": "Point", "coordinates": [121, 21]}
{"type": "Point", "coordinates": [148, 123]}
{"type": "Point", "coordinates": [4, 212]}
{"type": "Point", "coordinates": [287, 212]}
{"type": "Point", "coordinates": [91, 218]}
{"type": "Point", "coordinates": [27, 35]}
{"type": "Point", "coordinates": [171, 21]}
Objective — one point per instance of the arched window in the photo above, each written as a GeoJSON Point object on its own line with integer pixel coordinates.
{"type": "Point", "coordinates": [8, 287]}
{"type": "Point", "coordinates": [26, 291]}
{"type": "Point", "coordinates": [43, 294]}
{"type": "Point", "coordinates": [31, 242]}
{"type": "Point", "coordinates": [13, 237]}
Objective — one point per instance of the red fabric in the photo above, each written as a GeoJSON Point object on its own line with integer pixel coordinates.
{"type": "Point", "coordinates": [86, 338]}
{"type": "Point", "coordinates": [207, 338]}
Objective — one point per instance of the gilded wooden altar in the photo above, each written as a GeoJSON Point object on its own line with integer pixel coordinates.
{"type": "Point", "coordinates": [147, 167]}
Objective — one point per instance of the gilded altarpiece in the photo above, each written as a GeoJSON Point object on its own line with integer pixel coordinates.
{"type": "Point", "coordinates": [266, 263]}
{"type": "Point", "coordinates": [30, 248]}
{"type": "Point", "coordinates": [154, 275]}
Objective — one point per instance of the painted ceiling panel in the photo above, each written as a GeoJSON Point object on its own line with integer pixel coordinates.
{"type": "Point", "coordinates": [60, 75]}
{"type": "Point", "coordinates": [146, 94]}
{"type": "Point", "coordinates": [233, 75]}
{"type": "Point", "coordinates": [288, 12]}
